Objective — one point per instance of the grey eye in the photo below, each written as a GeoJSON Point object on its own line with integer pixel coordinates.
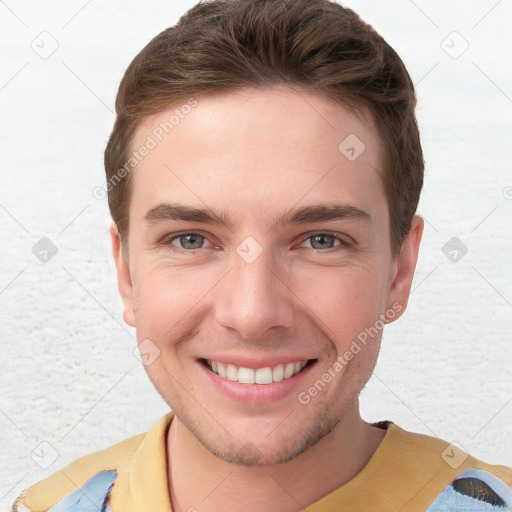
{"type": "Point", "coordinates": [322, 241]}
{"type": "Point", "coordinates": [191, 241]}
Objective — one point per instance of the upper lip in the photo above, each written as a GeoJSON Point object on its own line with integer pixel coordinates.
{"type": "Point", "coordinates": [256, 362]}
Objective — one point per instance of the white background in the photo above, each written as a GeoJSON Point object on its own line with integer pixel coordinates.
{"type": "Point", "coordinates": [69, 378]}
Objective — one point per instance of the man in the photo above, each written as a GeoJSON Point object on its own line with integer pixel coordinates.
{"type": "Point", "coordinates": [263, 175]}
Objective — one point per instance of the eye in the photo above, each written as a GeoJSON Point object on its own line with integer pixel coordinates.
{"type": "Point", "coordinates": [325, 241]}
{"type": "Point", "coordinates": [188, 242]}
{"type": "Point", "coordinates": [185, 241]}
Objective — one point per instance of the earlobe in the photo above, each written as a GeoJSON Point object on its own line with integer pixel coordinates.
{"type": "Point", "coordinates": [124, 281]}
{"type": "Point", "coordinates": [405, 266]}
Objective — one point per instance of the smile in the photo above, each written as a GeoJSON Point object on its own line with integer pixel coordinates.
{"type": "Point", "coordinates": [265, 375]}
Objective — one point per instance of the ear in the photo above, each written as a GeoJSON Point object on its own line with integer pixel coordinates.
{"type": "Point", "coordinates": [405, 264]}
{"type": "Point", "coordinates": [124, 280]}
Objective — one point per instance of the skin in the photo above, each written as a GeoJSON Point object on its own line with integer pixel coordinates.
{"type": "Point", "coordinates": [253, 155]}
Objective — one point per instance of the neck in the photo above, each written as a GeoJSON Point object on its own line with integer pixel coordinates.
{"type": "Point", "coordinates": [199, 481]}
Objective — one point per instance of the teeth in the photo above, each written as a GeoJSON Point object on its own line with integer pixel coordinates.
{"type": "Point", "coordinates": [246, 375]}
{"type": "Point", "coordinates": [231, 372]}
{"type": "Point", "coordinates": [289, 370]}
{"type": "Point", "coordinates": [221, 370]}
{"type": "Point", "coordinates": [265, 375]}
{"type": "Point", "coordinates": [278, 373]}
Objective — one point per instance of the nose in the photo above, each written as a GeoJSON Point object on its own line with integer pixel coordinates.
{"type": "Point", "coordinates": [254, 298]}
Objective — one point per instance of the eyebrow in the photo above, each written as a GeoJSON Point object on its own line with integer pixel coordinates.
{"type": "Point", "coordinates": [306, 214]}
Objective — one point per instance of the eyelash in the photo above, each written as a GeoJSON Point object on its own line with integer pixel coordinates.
{"type": "Point", "coordinates": [344, 242]}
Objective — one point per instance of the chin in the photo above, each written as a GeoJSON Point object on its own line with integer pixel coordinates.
{"type": "Point", "coordinates": [269, 450]}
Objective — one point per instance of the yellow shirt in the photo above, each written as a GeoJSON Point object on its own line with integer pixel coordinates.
{"type": "Point", "coordinates": [408, 472]}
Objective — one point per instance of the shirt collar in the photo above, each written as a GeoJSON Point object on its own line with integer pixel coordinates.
{"type": "Point", "coordinates": [143, 482]}
{"type": "Point", "coordinates": [142, 486]}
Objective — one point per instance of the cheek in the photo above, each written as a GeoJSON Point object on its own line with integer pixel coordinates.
{"type": "Point", "coordinates": [166, 300]}
{"type": "Point", "coordinates": [345, 301]}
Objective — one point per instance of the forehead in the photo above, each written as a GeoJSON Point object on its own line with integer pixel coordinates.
{"type": "Point", "coordinates": [255, 148]}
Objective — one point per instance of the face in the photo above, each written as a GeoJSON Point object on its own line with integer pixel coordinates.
{"type": "Point", "coordinates": [258, 260]}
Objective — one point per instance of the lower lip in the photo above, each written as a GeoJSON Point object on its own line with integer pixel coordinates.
{"type": "Point", "coordinates": [257, 393]}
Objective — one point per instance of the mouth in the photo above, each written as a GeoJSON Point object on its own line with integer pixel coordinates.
{"type": "Point", "coordinates": [263, 376]}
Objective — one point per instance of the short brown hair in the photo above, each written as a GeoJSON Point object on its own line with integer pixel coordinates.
{"type": "Point", "coordinates": [312, 45]}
